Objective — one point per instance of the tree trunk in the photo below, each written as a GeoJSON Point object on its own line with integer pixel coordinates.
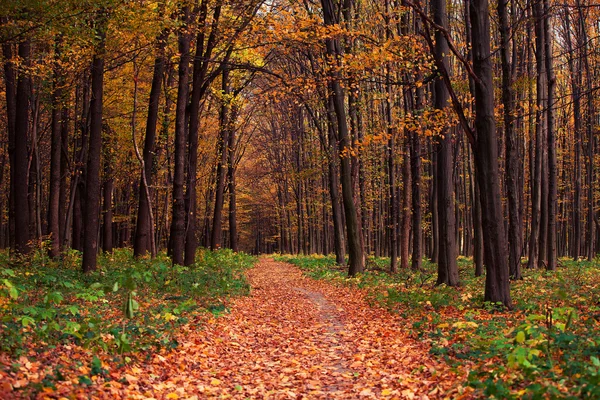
{"type": "Point", "coordinates": [92, 189]}
{"type": "Point", "coordinates": [20, 158]}
{"type": "Point", "coordinates": [225, 121]}
{"type": "Point", "coordinates": [177, 237]}
{"type": "Point", "coordinates": [576, 98]}
{"type": "Point", "coordinates": [447, 266]}
{"type": "Point", "coordinates": [231, 169]}
{"type": "Point", "coordinates": [107, 211]}
{"type": "Point", "coordinates": [201, 62]}
{"type": "Point", "coordinates": [10, 85]}
{"type": "Point", "coordinates": [334, 191]}
{"type": "Point", "coordinates": [415, 161]}
{"type": "Point", "coordinates": [355, 248]}
{"type": "Point", "coordinates": [512, 156]}
{"type": "Point", "coordinates": [497, 285]}
{"type": "Point", "coordinates": [144, 229]}
{"type": "Point", "coordinates": [552, 185]}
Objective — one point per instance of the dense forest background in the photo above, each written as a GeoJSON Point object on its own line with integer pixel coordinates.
{"type": "Point", "coordinates": [355, 127]}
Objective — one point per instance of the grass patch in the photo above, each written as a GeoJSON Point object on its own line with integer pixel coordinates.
{"type": "Point", "coordinates": [548, 346]}
{"type": "Point", "coordinates": [126, 306]}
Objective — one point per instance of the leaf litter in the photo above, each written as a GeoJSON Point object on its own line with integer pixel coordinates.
{"type": "Point", "coordinates": [292, 338]}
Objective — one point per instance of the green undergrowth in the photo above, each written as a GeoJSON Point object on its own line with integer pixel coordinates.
{"type": "Point", "coordinates": [548, 346]}
{"type": "Point", "coordinates": [127, 306]}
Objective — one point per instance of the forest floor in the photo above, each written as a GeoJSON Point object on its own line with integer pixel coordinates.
{"type": "Point", "coordinates": [292, 337]}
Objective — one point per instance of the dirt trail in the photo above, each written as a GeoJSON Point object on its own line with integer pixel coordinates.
{"type": "Point", "coordinates": [295, 337]}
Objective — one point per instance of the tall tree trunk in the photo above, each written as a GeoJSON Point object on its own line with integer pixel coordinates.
{"type": "Point", "coordinates": [552, 184]}
{"type": "Point", "coordinates": [144, 229]}
{"type": "Point", "coordinates": [576, 98]}
{"type": "Point", "coordinates": [447, 266]}
{"type": "Point", "coordinates": [406, 202]}
{"type": "Point", "coordinates": [107, 204]}
{"type": "Point", "coordinates": [231, 169]}
{"type": "Point", "coordinates": [201, 62]}
{"type": "Point", "coordinates": [225, 122]}
{"type": "Point", "coordinates": [92, 184]}
{"type": "Point", "coordinates": [55, 157]}
{"type": "Point", "coordinates": [392, 225]}
{"type": "Point", "coordinates": [590, 117]}
{"type": "Point", "coordinates": [10, 85]}
{"type": "Point", "coordinates": [415, 161]}
{"type": "Point", "coordinates": [334, 191]}
{"type": "Point", "coordinates": [20, 158]}
{"type": "Point", "coordinates": [512, 156]}
{"type": "Point", "coordinates": [497, 285]}
{"type": "Point", "coordinates": [355, 247]}
{"type": "Point", "coordinates": [177, 236]}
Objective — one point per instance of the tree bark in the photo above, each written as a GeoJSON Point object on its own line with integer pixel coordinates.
{"type": "Point", "coordinates": [333, 49]}
{"type": "Point", "coordinates": [497, 285]}
{"type": "Point", "coordinates": [447, 266]}
{"type": "Point", "coordinates": [144, 229]}
{"type": "Point", "coordinates": [225, 121]}
{"type": "Point", "coordinates": [20, 158]}
{"type": "Point", "coordinates": [92, 189]}
{"type": "Point", "coordinates": [201, 63]}
{"type": "Point", "coordinates": [177, 236]}
{"type": "Point", "coordinates": [512, 156]}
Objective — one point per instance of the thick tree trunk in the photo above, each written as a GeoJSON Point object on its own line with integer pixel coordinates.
{"type": "Point", "coordinates": [355, 247]}
{"type": "Point", "coordinates": [20, 158]}
{"type": "Point", "coordinates": [92, 189]}
{"type": "Point", "coordinates": [447, 266]}
{"type": "Point", "coordinates": [497, 285]}
{"type": "Point", "coordinates": [177, 236]}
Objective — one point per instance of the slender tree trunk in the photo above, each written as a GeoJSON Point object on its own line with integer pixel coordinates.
{"type": "Point", "coordinates": [92, 189]}
{"type": "Point", "coordinates": [107, 204]}
{"type": "Point", "coordinates": [576, 98]}
{"type": "Point", "coordinates": [55, 158]}
{"type": "Point", "coordinates": [225, 121]}
{"type": "Point", "coordinates": [447, 267]}
{"type": "Point", "coordinates": [231, 170]}
{"type": "Point", "coordinates": [10, 85]}
{"type": "Point", "coordinates": [552, 184]}
{"type": "Point", "coordinates": [177, 236]}
{"type": "Point", "coordinates": [512, 157]}
{"type": "Point", "coordinates": [144, 229]}
{"type": "Point", "coordinates": [415, 160]}
{"type": "Point", "coordinates": [406, 202]}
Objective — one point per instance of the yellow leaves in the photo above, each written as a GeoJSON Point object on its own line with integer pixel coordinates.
{"type": "Point", "coordinates": [172, 395]}
{"type": "Point", "coordinates": [465, 325]}
{"type": "Point", "coordinates": [215, 382]}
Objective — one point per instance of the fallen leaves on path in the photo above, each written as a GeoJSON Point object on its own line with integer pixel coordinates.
{"type": "Point", "coordinates": [293, 337]}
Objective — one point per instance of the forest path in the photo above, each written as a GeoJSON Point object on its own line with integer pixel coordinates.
{"type": "Point", "coordinates": [295, 337]}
